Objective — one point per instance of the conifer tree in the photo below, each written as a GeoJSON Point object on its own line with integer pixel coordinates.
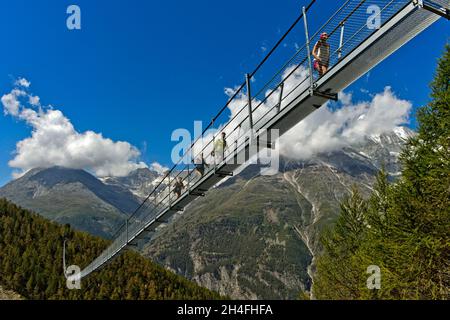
{"type": "Point", "coordinates": [404, 227]}
{"type": "Point", "coordinates": [34, 269]}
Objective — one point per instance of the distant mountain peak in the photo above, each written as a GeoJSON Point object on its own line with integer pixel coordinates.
{"type": "Point", "coordinates": [404, 132]}
{"type": "Point", "coordinates": [58, 174]}
{"type": "Point", "coordinates": [72, 196]}
{"type": "Point", "coordinates": [400, 132]}
{"type": "Point", "coordinates": [140, 182]}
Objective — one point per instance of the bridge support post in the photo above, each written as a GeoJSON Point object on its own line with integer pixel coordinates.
{"type": "Point", "coordinates": [341, 40]}
{"type": "Point", "coordinates": [236, 141]}
{"type": "Point", "coordinates": [170, 191]}
{"type": "Point", "coordinates": [213, 153]}
{"type": "Point", "coordinates": [311, 79]}
{"type": "Point", "coordinates": [188, 178]}
{"type": "Point", "coordinates": [280, 98]}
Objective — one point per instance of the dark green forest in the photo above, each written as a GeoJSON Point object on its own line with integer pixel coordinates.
{"type": "Point", "coordinates": [403, 227]}
{"type": "Point", "coordinates": [31, 264]}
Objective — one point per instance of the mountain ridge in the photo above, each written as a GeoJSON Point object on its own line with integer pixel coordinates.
{"type": "Point", "coordinates": [72, 196]}
{"type": "Point", "coordinates": [270, 219]}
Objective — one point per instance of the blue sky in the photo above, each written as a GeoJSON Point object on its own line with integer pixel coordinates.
{"type": "Point", "coordinates": [139, 69]}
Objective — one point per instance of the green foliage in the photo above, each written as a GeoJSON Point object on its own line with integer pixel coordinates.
{"type": "Point", "coordinates": [339, 264]}
{"type": "Point", "coordinates": [404, 227]}
{"type": "Point", "coordinates": [31, 264]}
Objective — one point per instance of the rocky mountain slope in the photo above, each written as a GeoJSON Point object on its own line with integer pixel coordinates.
{"type": "Point", "coordinates": [140, 182]}
{"type": "Point", "coordinates": [256, 236]}
{"type": "Point", "coordinates": [72, 196]}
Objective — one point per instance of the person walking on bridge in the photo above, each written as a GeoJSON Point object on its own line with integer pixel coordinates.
{"type": "Point", "coordinates": [321, 53]}
{"type": "Point", "coordinates": [200, 165]}
{"type": "Point", "coordinates": [220, 145]}
{"type": "Point", "coordinates": [178, 187]}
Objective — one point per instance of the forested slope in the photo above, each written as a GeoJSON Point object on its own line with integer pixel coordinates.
{"type": "Point", "coordinates": [31, 264]}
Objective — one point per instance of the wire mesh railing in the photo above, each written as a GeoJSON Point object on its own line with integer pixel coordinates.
{"type": "Point", "coordinates": [347, 27]}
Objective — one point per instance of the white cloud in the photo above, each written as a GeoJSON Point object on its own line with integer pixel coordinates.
{"type": "Point", "coordinates": [22, 82]}
{"type": "Point", "coordinates": [345, 98]}
{"type": "Point", "coordinates": [11, 102]}
{"type": "Point", "coordinates": [158, 168]}
{"type": "Point", "coordinates": [55, 141]}
{"type": "Point", "coordinates": [329, 130]}
{"type": "Point", "coordinates": [364, 90]}
{"type": "Point", "coordinates": [34, 100]}
{"type": "Point", "coordinates": [238, 126]}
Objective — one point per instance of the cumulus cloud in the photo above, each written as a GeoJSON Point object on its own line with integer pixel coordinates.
{"type": "Point", "coordinates": [11, 102]}
{"type": "Point", "coordinates": [330, 129]}
{"type": "Point", "coordinates": [34, 100]}
{"type": "Point", "coordinates": [55, 141]}
{"type": "Point", "coordinates": [22, 82]}
{"type": "Point", "coordinates": [263, 108]}
{"type": "Point", "coordinates": [155, 166]}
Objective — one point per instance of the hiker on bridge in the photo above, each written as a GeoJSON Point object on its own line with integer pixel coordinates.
{"type": "Point", "coordinates": [220, 145]}
{"type": "Point", "coordinates": [321, 53]}
{"type": "Point", "coordinates": [178, 187]}
{"type": "Point", "coordinates": [200, 165]}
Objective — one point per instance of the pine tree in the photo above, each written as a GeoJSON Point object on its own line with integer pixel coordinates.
{"type": "Point", "coordinates": [420, 210]}
{"type": "Point", "coordinates": [404, 227]}
{"type": "Point", "coordinates": [338, 274]}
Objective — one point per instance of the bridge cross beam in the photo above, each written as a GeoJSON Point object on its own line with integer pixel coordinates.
{"type": "Point", "coordinates": [433, 7]}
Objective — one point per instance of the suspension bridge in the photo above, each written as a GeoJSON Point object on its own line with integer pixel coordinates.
{"type": "Point", "coordinates": [362, 33]}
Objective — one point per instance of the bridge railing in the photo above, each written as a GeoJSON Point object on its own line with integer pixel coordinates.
{"type": "Point", "coordinates": [280, 78]}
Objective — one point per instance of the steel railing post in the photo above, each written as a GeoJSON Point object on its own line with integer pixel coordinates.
{"type": "Point", "coordinates": [341, 40]}
{"type": "Point", "coordinates": [249, 97]}
{"type": "Point", "coordinates": [280, 98]}
{"type": "Point", "coordinates": [311, 79]}
{"type": "Point", "coordinates": [169, 191]}
{"type": "Point", "coordinates": [214, 151]}
{"type": "Point", "coordinates": [188, 179]}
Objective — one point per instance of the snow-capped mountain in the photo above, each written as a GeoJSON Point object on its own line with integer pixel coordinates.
{"type": "Point", "coordinates": [140, 182]}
